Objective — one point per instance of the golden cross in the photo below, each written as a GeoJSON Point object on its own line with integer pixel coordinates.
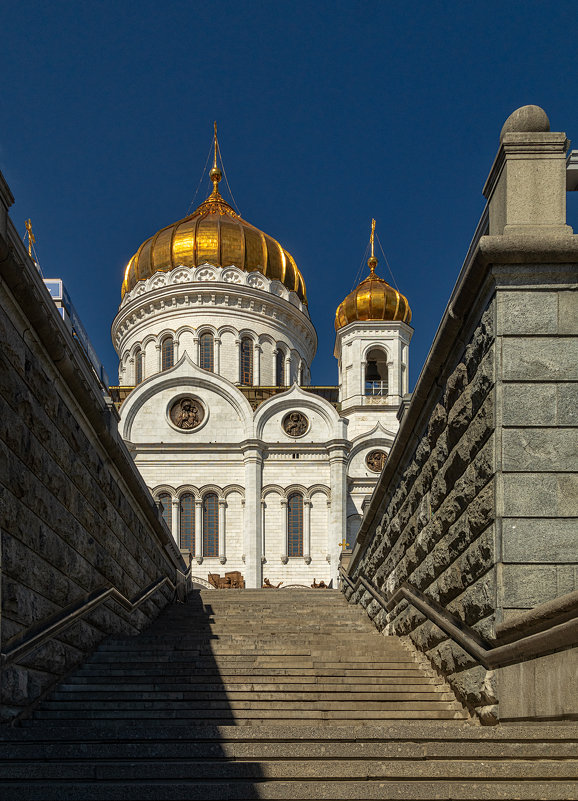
{"type": "Point", "coordinates": [344, 543]}
{"type": "Point", "coordinates": [371, 238]}
{"type": "Point", "coordinates": [215, 159]}
{"type": "Point", "coordinates": [31, 237]}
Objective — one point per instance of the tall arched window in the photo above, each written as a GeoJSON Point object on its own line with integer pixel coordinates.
{"type": "Point", "coordinates": [167, 353]}
{"type": "Point", "coordinates": [246, 361]}
{"type": "Point", "coordinates": [207, 351]}
{"type": "Point", "coordinates": [138, 366]}
{"type": "Point", "coordinates": [166, 508]}
{"type": "Point", "coordinates": [376, 372]}
{"type": "Point", "coordinates": [295, 525]}
{"type": "Point", "coordinates": [187, 522]}
{"type": "Point", "coordinates": [280, 368]}
{"type": "Point", "coordinates": [210, 525]}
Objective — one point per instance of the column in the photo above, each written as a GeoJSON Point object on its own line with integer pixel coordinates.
{"type": "Point", "coordinates": [288, 371]}
{"type": "Point", "coordinates": [257, 350]}
{"type": "Point", "coordinates": [238, 348]}
{"type": "Point", "coordinates": [263, 548]}
{"type": "Point", "coordinates": [175, 521]}
{"type": "Point", "coordinates": [284, 556]}
{"type": "Point", "coordinates": [222, 545]}
{"type": "Point", "coordinates": [217, 356]}
{"type": "Point", "coordinates": [307, 503]}
{"type": "Point", "coordinates": [196, 358]}
{"type": "Point", "coordinates": [199, 530]}
{"type": "Point", "coordinates": [252, 535]}
{"type": "Point", "coordinates": [338, 517]}
{"type": "Point", "coordinates": [158, 360]}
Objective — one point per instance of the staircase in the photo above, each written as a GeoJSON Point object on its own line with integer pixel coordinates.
{"type": "Point", "coordinates": [273, 694]}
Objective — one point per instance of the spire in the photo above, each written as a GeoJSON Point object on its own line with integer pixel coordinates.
{"type": "Point", "coordinates": [31, 237]}
{"type": "Point", "coordinates": [372, 261]}
{"type": "Point", "coordinates": [215, 175]}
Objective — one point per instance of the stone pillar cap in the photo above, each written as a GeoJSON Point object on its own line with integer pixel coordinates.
{"type": "Point", "coordinates": [526, 119]}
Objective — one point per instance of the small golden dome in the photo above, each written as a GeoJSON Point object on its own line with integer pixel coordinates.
{"type": "Point", "coordinates": [373, 299]}
{"type": "Point", "coordinates": [216, 234]}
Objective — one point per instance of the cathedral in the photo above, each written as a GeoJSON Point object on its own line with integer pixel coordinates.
{"type": "Point", "coordinates": [256, 470]}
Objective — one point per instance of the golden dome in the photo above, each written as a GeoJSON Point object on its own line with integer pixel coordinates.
{"type": "Point", "coordinates": [373, 299]}
{"type": "Point", "coordinates": [216, 234]}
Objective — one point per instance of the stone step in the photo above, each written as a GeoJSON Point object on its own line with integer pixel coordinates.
{"type": "Point", "coordinates": [299, 769]}
{"type": "Point", "coordinates": [250, 694]}
{"type": "Point", "coordinates": [159, 749]}
{"type": "Point", "coordinates": [224, 717]}
{"type": "Point", "coordinates": [100, 691]}
{"type": "Point", "coordinates": [191, 790]}
{"type": "Point", "coordinates": [184, 668]}
{"type": "Point", "coordinates": [100, 680]}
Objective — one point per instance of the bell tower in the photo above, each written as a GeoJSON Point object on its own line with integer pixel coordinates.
{"type": "Point", "coordinates": [372, 343]}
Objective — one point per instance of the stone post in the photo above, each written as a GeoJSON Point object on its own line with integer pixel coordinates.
{"type": "Point", "coordinates": [217, 356]}
{"type": "Point", "coordinates": [252, 536]}
{"type": "Point", "coordinates": [526, 188]}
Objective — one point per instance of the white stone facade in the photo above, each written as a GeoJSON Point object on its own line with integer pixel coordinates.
{"type": "Point", "coordinates": [239, 453]}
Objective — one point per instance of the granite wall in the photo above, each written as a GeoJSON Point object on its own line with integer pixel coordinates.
{"type": "Point", "coordinates": [476, 510]}
{"type": "Point", "coordinates": [75, 515]}
{"type": "Point", "coordinates": [438, 530]}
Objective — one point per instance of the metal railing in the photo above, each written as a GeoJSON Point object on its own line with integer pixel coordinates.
{"type": "Point", "coordinates": [35, 636]}
{"type": "Point", "coordinates": [376, 388]}
{"type": "Point", "coordinates": [556, 629]}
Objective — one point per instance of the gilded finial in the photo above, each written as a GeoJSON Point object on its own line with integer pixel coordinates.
{"type": "Point", "coordinates": [215, 175]}
{"type": "Point", "coordinates": [372, 261]}
{"type": "Point", "coordinates": [31, 237]}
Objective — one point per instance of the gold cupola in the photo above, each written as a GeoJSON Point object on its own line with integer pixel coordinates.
{"type": "Point", "coordinates": [216, 234]}
{"type": "Point", "coordinates": [373, 299]}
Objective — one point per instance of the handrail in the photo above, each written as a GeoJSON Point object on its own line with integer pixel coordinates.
{"type": "Point", "coordinates": [37, 635]}
{"type": "Point", "coordinates": [558, 636]}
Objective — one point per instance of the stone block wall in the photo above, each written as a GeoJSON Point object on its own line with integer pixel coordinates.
{"type": "Point", "coordinates": [74, 514]}
{"type": "Point", "coordinates": [480, 512]}
{"type": "Point", "coordinates": [538, 444]}
{"type": "Point", "coordinates": [438, 530]}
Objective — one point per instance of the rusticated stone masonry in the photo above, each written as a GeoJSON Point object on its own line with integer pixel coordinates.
{"type": "Point", "coordinates": [437, 532]}
{"type": "Point", "coordinates": [75, 516]}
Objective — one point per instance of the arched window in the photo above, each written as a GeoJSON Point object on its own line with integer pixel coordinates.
{"type": "Point", "coordinates": [207, 352]}
{"type": "Point", "coordinates": [187, 522]}
{"type": "Point", "coordinates": [376, 372]}
{"type": "Point", "coordinates": [138, 366]}
{"type": "Point", "coordinates": [295, 525]}
{"type": "Point", "coordinates": [167, 353]}
{"type": "Point", "coordinates": [210, 525]}
{"type": "Point", "coordinates": [280, 368]}
{"type": "Point", "coordinates": [246, 361]}
{"type": "Point", "coordinates": [166, 508]}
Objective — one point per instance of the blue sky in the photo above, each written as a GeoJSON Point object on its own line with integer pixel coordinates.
{"type": "Point", "coordinates": [329, 114]}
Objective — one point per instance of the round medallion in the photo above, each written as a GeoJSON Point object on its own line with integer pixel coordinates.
{"type": "Point", "coordinates": [295, 424]}
{"type": "Point", "coordinates": [375, 460]}
{"type": "Point", "coordinates": [187, 413]}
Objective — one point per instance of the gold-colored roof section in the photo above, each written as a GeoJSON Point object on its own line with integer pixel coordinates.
{"type": "Point", "coordinates": [216, 234]}
{"type": "Point", "coordinates": [373, 299]}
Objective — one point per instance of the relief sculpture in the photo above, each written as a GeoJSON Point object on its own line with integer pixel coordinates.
{"type": "Point", "coordinates": [187, 413]}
